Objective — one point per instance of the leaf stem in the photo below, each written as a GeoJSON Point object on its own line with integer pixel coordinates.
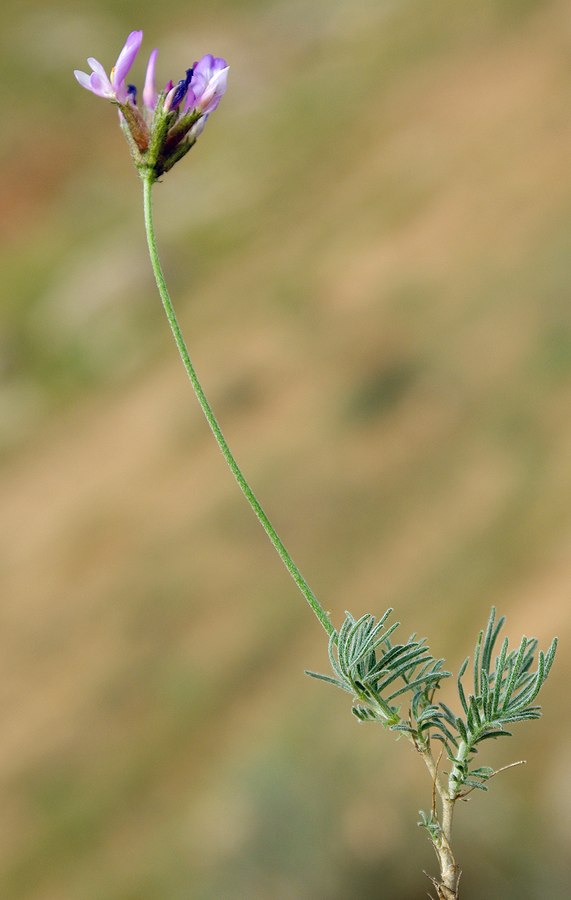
{"type": "Point", "coordinates": [285, 557]}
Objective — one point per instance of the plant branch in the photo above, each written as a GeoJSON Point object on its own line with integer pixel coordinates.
{"type": "Point", "coordinates": [440, 831]}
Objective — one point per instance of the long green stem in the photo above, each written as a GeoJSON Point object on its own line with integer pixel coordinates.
{"type": "Point", "coordinates": [211, 419]}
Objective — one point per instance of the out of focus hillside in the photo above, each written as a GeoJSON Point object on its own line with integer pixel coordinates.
{"type": "Point", "coordinates": [370, 252]}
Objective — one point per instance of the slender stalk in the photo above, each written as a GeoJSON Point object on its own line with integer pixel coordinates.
{"type": "Point", "coordinates": [447, 886]}
{"type": "Point", "coordinates": [211, 419]}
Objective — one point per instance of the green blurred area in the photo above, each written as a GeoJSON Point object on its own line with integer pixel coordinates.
{"type": "Point", "coordinates": [369, 249]}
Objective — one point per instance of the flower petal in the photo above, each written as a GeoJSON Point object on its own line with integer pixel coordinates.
{"type": "Point", "coordinates": [95, 84]}
{"type": "Point", "coordinates": [125, 60]}
{"type": "Point", "coordinates": [97, 67]}
{"type": "Point", "coordinates": [150, 91]}
{"type": "Point", "coordinates": [190, 101]}
{"type": "Point", "coordinates": [101, 87]}
{"type": "Point", "coordinates": [83, 79]}
{"type": "Point", "coordinates": [198, 84]}
{"type": "Point", "coordinates": [197, 129]}
{"type": "Point", "coordinates": [214, 91]}
{"type": "Point", "coordinates": [204, 65]}
{"type": "Point", "coordinates": [98, 81]}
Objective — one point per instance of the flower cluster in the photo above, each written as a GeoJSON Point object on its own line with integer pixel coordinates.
{"type": "Point", "coordinates": [162, 129]}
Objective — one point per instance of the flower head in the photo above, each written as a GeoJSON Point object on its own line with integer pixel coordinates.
{"type": "Point", "coordinates": [167, 124]}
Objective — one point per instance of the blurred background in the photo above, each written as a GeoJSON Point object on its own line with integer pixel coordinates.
{"type": "Point", "coordinates": [369, 250]}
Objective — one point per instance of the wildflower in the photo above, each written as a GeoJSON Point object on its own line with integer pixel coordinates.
{"type": "Point", "coordinates": [167, 124]}
{"type": "Point", "coordinates": [112, 87]}
{"type": "Point", "coordinates": [208, 84]}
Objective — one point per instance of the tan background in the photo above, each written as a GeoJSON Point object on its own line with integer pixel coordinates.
{"type": "Point", "coordinates": [370, 252]}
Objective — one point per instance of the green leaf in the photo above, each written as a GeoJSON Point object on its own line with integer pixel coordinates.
{"type": "Point", "coordinates": [365, 663]}
{"type": "Point", "coordinates": [328, 678]}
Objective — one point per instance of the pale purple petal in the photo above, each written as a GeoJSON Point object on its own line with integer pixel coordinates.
{"type": "Point", "coordinates": [214, 91]}
{"type": "Point", "coordinates": [95, 84]}
{"type": "Point", "coordinates": [198, 84]}
{"type": "Point", "coordinates": [197, 129]}
{"type": "Point", "coordinates": [98, 80]}
{"type": "Point", "coordinates": [100, 87]}
{"type": "Point", "coordinates": [190, 101]}
{"type": "Point", "coordinates": [196, 88]}
{"type": "Point", "coordinates": [125, 60]}
{"type": "Point", "coordinates": [83, 79]}
{"type": "Point", "coordinates": [150, 91]}
{"type": "Point", "coordinates": [204, 65]}
{"type": "Point", "coordinates": [97, 67]}
{"type": "Point", "coordinates": [209, 64]}
{"type": "Point", "coordinates": [170, 96]}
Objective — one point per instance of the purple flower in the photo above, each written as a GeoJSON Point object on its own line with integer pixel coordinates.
{"type": "Point", "coordinates": [167, 124]}
{"type": "Point", "coordinates": [112, 87]}
{"type": "Point", "coordinates": [208, 84]}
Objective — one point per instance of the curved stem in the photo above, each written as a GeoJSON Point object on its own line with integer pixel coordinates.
{"type": "Point", "coordinates": [211, 419]}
